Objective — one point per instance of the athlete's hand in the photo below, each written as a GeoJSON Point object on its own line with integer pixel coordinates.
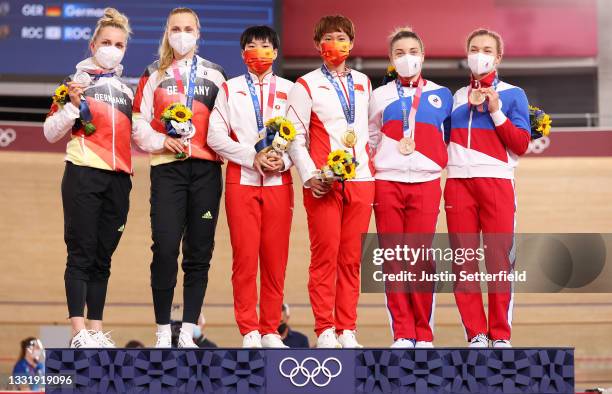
{"type": "Point", "coordinates": [493, 97]}
{"type": "Point", "coordinates": [318, 187]}
{"type": "Point", "coordinates": [262, 163]}
{"type": "Point", "coordinates": [276, 160]}
{"type": "Point", "coordinates": [174, 145]}
{"type": "Point", "coordinates": [75, 91]}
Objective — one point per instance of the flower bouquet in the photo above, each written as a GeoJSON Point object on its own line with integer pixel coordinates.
{"type": "Point", "coordinates": [60, 98]}
{"type": "Point", "coordinates": [390, 75]}
{"type": "Point", "coordinates": [540, 122]}
{"type": "Point", "coordinates": [278, 134]}
{"type": "Point", "coordinates": [340, 167]}
{"type": "Point", "coordinates": [177, 119]}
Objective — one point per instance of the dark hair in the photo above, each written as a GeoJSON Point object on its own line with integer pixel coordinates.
{"type": "Point", "coordinates": [332, 24]}
{"type": "Point", "coordinates": [134, 344]}
{"type": "Point", "coordinates": [404, 32]}
{"type": "Point", "coordinates": [261, 32]}
{"type": "Point", "coordinates": [24, 346]}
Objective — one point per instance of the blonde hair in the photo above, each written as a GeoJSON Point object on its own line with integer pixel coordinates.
{"type": "Point", "coordinates": [486, 32]}
{"type": "Point", "coordinates": [166, 56]}
{"type": "Point", "coordinates": [404, 32]}
{"type": "Point", "coordinates": [112, 18]}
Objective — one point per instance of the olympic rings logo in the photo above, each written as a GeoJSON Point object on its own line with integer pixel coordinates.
{"type": "Point", "coordinates": [539, 145]}
{"type": "Point", "coordinates": [310, 374]}
{"type": "Point", "coordinates": [7, 137]}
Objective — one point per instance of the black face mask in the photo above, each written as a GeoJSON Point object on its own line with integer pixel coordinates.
{"type": "Point", "coordinates": [282, 328]}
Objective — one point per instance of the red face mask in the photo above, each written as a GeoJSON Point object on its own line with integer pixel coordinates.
{"type": "Point", "coordinates": [259, 59]}
{"type": "Point", "coordinates": [335, 52]}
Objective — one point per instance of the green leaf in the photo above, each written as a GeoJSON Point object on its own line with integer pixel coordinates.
{"type": "Point", "coordinates": [89, 128]}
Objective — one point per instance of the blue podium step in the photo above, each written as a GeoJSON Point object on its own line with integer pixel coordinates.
{"type": "Point", "coordinates": [287, 371]}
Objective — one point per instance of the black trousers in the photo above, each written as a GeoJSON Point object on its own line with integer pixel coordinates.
{"type": "Point", "coordinates": [96, 204]}
{"type": "Point", "coordinates": [185, 199]}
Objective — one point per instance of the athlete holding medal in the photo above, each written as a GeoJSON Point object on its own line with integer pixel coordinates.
{"type": "Point", "coordinates": [185, 172]}
{"type": "Point", "coordinates": [259, 190]}
{"type": "Point", "coordinates": [408, 119]}
{"type": "Point", "coordinates": [329, 108]}
{"type": "Point", "coordinates": [490, 130]}
{"type": "Point", "coordinates": [97, 114]}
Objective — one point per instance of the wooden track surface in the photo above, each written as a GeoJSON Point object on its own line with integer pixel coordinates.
{"type": "Point", "coordinates": [554, 195]}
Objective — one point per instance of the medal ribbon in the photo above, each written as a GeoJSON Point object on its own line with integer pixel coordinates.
{"type": "Point", "coordinates": [347, 108]}
{"type": "Point", "coordinates": [192, 80]}
{"type": "Point", "coordinates": [259, 110]}
{"type": "Point", "coordinates": [409, 119]}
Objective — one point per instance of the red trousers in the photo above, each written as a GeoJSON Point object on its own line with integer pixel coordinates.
{"type": "Point", "coordinates": [336, 222]}
{"type": "Point", "coordinates": [406, 209]}
{"type": "Point", "coordinates": [259, 220]}
{"type": "Point", "coordinates": [488, 205]}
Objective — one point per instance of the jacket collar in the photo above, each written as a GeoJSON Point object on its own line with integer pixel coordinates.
{"type": "Point", "coordinates": [485, 82]}
{"type": "Point", "coordinates": [89, 66]}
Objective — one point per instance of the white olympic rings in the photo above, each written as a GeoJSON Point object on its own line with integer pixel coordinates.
{"type": "Point", "coordinates": [310, 375]}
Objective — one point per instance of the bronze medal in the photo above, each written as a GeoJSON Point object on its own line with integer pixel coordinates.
{"type": "Point", "coordinates": [476, 97]}
{"type": "Point", "coordinates": [406, 146]}
{"type": "Point", "coordinates": [349, 138]}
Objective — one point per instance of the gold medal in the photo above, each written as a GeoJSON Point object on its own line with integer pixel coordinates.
{"type": "Point", "coordinates": [406, 146]}
{"type": "Point", "coordinates": [349, 138]}
{"type": "Point", "coordinates": [476, 97]}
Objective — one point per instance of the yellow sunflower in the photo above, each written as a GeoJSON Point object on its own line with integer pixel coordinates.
{"type": "Point", "coordinates": [287, 131]}
{"type": "Point", "coordinates": [181, 113]}
{"type": "Point", "coordinates": [61, 91]}
{"type": "Point", "coordinates": [349, 171]}
{"type": "Point", "coordinates": [276, 121]}
{"type": "Point", "coordinates": [545, 125]}
{"type": "Point", "coordinates": [60, 96]}
{"type": "Point", "coordinates": [337, 156]}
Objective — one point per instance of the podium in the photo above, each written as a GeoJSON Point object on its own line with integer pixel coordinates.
{"type": "Point", "coordinates": [287, 371]}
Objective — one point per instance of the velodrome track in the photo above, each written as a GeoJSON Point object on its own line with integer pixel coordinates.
{"type": "Point", "coordinates": [561, 194]}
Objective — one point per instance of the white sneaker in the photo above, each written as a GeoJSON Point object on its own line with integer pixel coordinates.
{"type": "Point", "coordinates": [424, 345]}
{"type": "Point", "coordinates": [83, 340]}
{"type": "Point", "coordinates": [164, 340]}
{"type": "Point", "coordinates": [185, 341]}
{"type": "Point", "coordinates": [479, 341]}
{"type": "Point", "coordinates": [348, 339]}
{"type": "Point", "coordinates": [252, 340]}
{"type": "Point", "coordinates": [272, 340]}
{"type": "Point", "coordinates": [403, 343]}
{"type": "Point", "coordinates": [103, 338]}
{"type": "Point", "coordinates": [328, 339]}
{"type": "Point", "coordinates": [502, 343]}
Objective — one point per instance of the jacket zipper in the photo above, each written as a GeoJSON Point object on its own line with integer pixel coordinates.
{"type": "Point", "coordinates": [469, 141]}
{"type": "Point", "coordinates": [108, 84]}
{"type": "Point", "coordinates": [262, 115]}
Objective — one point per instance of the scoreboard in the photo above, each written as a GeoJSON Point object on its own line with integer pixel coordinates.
{"type": "Point", "coordinates": [47, 39]}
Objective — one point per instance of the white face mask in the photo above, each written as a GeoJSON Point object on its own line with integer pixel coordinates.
{"type": "Point", "coordinates": [182, 42]}
{"type": "Point", "coordinates": [481, 63]}
{"type": "Point", "coordinates": [408, 65]}
{"type": "Point", "coordinates": [109, 57]}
